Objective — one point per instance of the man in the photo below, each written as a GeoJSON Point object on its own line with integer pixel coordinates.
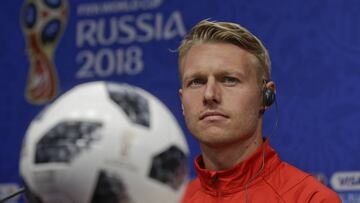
{"type": "Point", "coordinates": [226, 87]}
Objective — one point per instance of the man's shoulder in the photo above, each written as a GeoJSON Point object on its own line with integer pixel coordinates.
{"type": "Point", "coordinates": [291, 182]}
{"type": "Point", "coordinates": [319, 192]}
{"type": "Point", "coordinates": [193, 187]}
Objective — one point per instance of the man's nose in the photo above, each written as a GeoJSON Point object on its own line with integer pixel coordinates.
{"type": "Point", "coordinates": [212, 92]}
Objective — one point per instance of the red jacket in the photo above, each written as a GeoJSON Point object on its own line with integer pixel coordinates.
{"type": "Point", "coordinates": [277, 182]}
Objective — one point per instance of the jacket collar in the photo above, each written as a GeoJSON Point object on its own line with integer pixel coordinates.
{"type": "Point", "coordinates": [242, 175]}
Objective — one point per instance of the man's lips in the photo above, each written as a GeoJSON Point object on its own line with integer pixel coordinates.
{"type": "Point", "coordinates": [212, 114]}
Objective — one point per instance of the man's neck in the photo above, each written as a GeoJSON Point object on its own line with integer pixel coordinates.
{"type": "Point", "coordinates": [228, 156]}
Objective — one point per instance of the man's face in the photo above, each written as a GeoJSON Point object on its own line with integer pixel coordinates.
{"type": "Point", "coordinates": [220, 95]}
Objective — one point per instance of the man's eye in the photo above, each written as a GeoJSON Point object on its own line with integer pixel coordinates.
{"type": "Point", "coordinates": [230, 80]}
{"type": "Point", "coordinates": [196, 83]}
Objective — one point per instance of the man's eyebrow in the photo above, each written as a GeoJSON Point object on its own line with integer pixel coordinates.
{"type": "Point", "coordinates": [241, 74]}
{"type": "Point", "coordinates": [193, 74]}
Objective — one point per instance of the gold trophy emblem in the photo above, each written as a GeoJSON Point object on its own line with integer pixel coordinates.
{"type": "Point", "coordinates": [42, 22]}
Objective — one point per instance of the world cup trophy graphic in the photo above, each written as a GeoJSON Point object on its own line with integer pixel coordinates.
{"type": "Point", "coordinates": [42, 22]}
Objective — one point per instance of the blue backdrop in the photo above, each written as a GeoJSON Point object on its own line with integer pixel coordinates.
{"type": "Point", "coordinates": [314, 47]}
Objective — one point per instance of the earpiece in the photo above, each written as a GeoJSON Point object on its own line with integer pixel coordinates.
{"type": "Point", "coordinates": [268, 95]}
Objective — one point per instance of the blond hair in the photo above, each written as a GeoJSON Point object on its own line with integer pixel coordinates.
{"type": "Point", "coordinates": [225, 32]}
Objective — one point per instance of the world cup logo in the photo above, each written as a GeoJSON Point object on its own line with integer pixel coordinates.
{"type": "Point", "coordinates": [42, 22]}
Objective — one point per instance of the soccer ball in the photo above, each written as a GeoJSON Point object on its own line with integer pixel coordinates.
{"type": "Point", "coordinates": [104, 142]}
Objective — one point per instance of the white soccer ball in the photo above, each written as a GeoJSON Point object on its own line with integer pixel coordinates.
{"type": "Point", "coordinates": [104, 142]}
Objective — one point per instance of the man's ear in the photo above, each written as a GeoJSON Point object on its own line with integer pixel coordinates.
{"type": "Point", "coordinates": [269, 93]}
{"type": "Point", "coordinates": [271, 85]}
{"type": "Point", "coordinates": [182, 106]}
